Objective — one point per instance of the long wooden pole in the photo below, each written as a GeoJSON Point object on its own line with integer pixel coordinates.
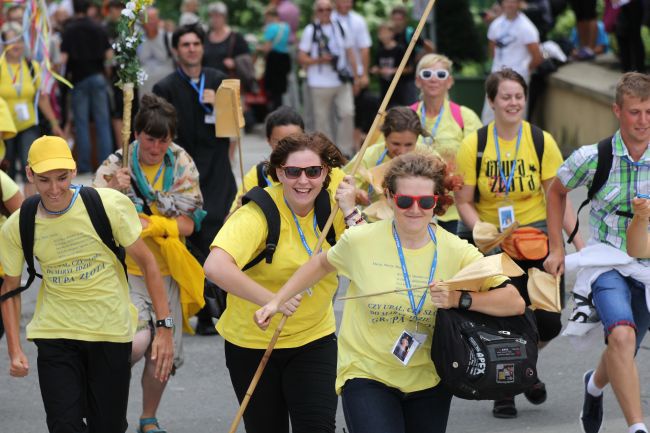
{"type": "Point", "coordinates": [330, 220]}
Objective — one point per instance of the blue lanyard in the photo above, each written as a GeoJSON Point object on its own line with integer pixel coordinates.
{"type": "Point", "coordinates": [405, 273]}
{"type": "Point", "coordinates": [379, 161]}
{"type": "Point", "coordinates": [423, 119]}
{"type": "Point", "coordinates": [160, 170]}
{"type": "Point", "coordinates": [636, 164]}
{"type": "Point", "coordinates": [268, 179]}
{"type": "Point", "coordinates": [61, 212]}
{"type": "Point", "coordinates": [300, 232]}
{"type": "Point", "coordinates": [199, 89]}
{"type": "Point", "coordinates": [502, 173]}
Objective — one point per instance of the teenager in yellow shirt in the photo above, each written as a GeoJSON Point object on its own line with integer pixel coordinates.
{"type": "Point", "coordinates": [447, 122]}
{"type": "Point", "coordinates": [299, 379]}
{"type": "Point", "coordinates": [19, 84]}
{"type": "Point", "coordinates": [84, 322]}
{"type": "Point", "coordinates": [401, 130]}
{"type": "Point", "coordinates": [163, 183]}
{"type": "Point", "coordinates": [387, 381]}
{"type": "Point", "coordinates": [511, 185]}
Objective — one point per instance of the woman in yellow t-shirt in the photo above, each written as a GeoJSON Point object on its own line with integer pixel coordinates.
{"type": "Point", "coordinates": [401, 130]}
{"type": "Point", "coordinates": [511, 186]}
{"type": "Point", "coordinates": [19, 84]}
{"type": "Point", "coordinates": [300, 375]}
{"type": "Point", "coordinates": [447, 122]}
{"type": "Point", "coordinates": [385, 373]}
{"type": "Point", "coordinates": [11, 198]}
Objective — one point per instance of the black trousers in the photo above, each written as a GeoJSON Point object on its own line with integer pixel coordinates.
{"type": "Point", "coordinates": [628, 35]}
{"type": "Point", "coordinates": [297, 383]}
{"type": "Point", "coordinates": [81, 379]}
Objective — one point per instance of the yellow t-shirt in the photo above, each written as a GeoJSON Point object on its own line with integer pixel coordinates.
{"type": "Point", "coordinates": [449, 136]}
{"type": "Point", "coordinates": [371, 326]}
{"type": "Point", "coordinates": [84, 294]}
{"type": "Point", "coordinates": [374, 156]}
{"type": "Point", "coordinates": [526, 193]}
{"type": "Point", "coordinates": [21, 105]}
{"type": "Point", "coordinates": [150, 172]}
{"type": "Point", "coordinates": [243, 236]}
{"type": "Point", "coordinates": [250, 181]}
{"type": "Point", "coordinates": [9, 189]}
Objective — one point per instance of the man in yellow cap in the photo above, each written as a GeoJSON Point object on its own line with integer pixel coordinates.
{"type": "Point", "coordinates": [84, 323]}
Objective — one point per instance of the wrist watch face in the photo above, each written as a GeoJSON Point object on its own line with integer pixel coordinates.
{"type": "Point", "coordinates": [465, 300]}
{"type": "Point", "coordinates": [167, 322]}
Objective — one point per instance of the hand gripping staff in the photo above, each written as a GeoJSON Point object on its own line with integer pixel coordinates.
{"type": "Point", "coordinates": [328, 224]}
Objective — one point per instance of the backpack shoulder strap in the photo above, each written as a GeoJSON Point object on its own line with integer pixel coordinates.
{"type": "Point", "coordinates": [457, 114]}
{"type": "Point", "coordinates": [481, 136]}
{"type": "Point", "coordinates": [145, 207]}
{"type": "Point", "coordinates": [323, 209]}
{"type": "Point", "coordinates": [264, 201]}
{"type": "Point", "coordinates": [603, 167]}
{"type": "Point", "coordinates": [538, 142]}
{"type": "Point", "coordinates": [261, 174]}
{"type": "Point", "coordinates": [101, 222]}
{"type": "Point", "coordinates": [26, 224]}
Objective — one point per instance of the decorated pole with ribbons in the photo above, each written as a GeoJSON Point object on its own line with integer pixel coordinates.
{"type": "Point", "coordinates": [129, 70]}
{"type": "Point", "coordinates": [375, 124]}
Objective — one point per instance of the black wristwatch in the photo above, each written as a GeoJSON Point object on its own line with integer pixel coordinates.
{"type": "Point", "coordinates": [167, 322]}
{"type": "Point", "coordinates": [465, 301]}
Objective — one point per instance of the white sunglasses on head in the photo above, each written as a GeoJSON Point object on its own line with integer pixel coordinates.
{"type": "Point", "coordinates": [429, 74]}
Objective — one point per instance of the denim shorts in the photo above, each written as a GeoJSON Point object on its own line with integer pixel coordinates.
{"type": "Point", "coordinates": [620, 301]}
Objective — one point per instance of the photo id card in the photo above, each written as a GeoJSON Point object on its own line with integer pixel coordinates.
{"type": "Point", "coordinates": [405, 346]}
{"type": "Point", "coordinates": [22, 111]}
{"type": "Point", "coordinates": [506, 217]}
{"type": "Point", "coordinates": [209, 118]}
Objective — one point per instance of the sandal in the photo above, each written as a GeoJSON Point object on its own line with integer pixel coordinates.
{"type": "Point", "coordinates": [150, 421]}
{"type": "Point", "coordinates": [505, 408]}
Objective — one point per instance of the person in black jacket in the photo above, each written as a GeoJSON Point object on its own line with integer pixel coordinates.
{"type": "Point", "coordinates": [191, 89]}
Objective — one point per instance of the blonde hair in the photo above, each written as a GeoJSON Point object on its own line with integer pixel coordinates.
{"type": "Point", "coordinates": [430, 59]}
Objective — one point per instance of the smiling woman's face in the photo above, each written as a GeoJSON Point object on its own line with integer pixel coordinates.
{"type": "Point", "coordinates": [301, 192]}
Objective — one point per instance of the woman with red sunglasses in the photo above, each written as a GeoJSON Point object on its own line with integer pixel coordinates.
{"type": "Point", "coordinates": [385, 373]}
{"type": "Point", "coordinates": [298, 382]}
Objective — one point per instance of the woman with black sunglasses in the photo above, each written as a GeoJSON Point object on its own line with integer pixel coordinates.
{"type": "Point", "coordinates": [446, 122]}
{"type": "Point", "coordinates": [385, 373]}
{"type": "Point", "coordinates": [298, 382]}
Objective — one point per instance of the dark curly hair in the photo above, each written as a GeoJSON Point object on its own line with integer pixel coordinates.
{"type": "Point", "coordinates": [429, 166]}
{"type": "Point", "coordinates": [317, 142]}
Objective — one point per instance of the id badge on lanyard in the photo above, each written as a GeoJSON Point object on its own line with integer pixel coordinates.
{"type": "Point", "coordinates": [506, 210]}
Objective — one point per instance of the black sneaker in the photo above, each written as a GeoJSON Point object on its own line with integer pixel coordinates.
{"type": "Point", "coordinates": [591, 417]}
{"type": "Point", "coordinates": [505, 408]}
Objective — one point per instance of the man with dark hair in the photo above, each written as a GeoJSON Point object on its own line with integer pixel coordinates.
{"type": "Point", "coordinates": [191, 90]}
{"type": "Point", "coordinates": [87, 53]}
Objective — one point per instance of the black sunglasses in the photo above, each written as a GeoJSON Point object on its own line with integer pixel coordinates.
{"type": "Point", "coordinates": [312, 172]}
{"type": "Point", "coordinates": [424, 201]}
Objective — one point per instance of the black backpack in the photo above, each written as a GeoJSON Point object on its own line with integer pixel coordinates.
{"type": "Point", "coordinates": [98, 217]}
{"type": "Point", "coordinates": [538, 142]}
{"type": "Point", "coordinates": [482, 357]}
{"type": "Point", "coordinates": [603, 167]}
{"type": "Point", "coordinates": [264, 201]}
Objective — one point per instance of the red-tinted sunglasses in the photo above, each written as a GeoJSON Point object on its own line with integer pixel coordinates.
{"type": "Point", "coordinates": [424, 201]}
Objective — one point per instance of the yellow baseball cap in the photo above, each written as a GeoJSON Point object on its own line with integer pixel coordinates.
{"type": "Point", "coordinates": [50, 153]}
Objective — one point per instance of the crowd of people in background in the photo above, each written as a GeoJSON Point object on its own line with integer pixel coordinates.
{"type": "Point", "coordinates": [443, 170]}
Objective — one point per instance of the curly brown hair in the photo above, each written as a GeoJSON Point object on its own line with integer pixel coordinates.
{"type": "Point", "coordinates": [317, 142]}
{"type": "Point", "coordinates": [427, 165]}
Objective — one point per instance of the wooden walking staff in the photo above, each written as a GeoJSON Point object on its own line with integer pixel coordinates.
{"type": "Point", "coordinates": [330, 220]}
{"type": "Point", "coordinates": [127, 90]}
{"type": "Point", "coordinates": [229, 118]}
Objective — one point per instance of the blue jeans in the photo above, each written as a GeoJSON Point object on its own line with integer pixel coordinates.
{"type": "Point", "coordinates": [18, 147]}
{"type": "Point", "coordinates": [620, 301]}
{"type": "Point", "coordinates": [90, 95]}
{"type": "Point", "coordinates": [372, 407]}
